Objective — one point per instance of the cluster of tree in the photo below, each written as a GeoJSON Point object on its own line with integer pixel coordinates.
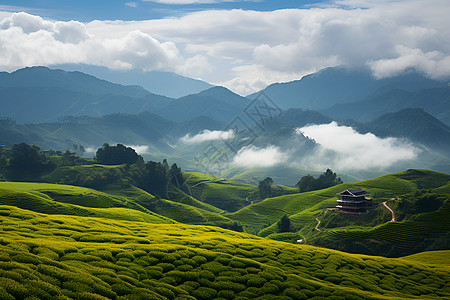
{"type": "Point", "coordinates": [28, 162]}
{"type": "Point", "coordinates": [24, 161]}
{"type": "Point", "coordinates": [265, 188]}
{"type": "Point", "coordinates": [327, 179]}
{"type": "Point", "coordinates": [116, 155]}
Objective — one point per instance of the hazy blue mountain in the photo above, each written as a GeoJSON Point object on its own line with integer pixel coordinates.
{"type": "Point", "coordinates": [71, 81]}
{"type": "Point", "coordinates": [217, 103]}
{"type": "Point", "coordinates": [436, 101]}
{"type": "Point", "coordinates": [40, 94]}
{"type": "Point", "coordinates": [414, 124]}
{"type": "Point", "coordinates": [339, 85]}
{"type": "Point", "coordinates": [197, 125]}
{"type": "Point", "coordinates": [158, 82]}
{"type": "Point", "coordinates": [297, 117]}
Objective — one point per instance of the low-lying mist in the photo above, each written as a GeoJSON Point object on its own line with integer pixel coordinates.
{"type": "Point", "coordinates": [343, 148]}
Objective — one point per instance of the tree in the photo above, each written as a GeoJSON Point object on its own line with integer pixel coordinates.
{"type": "Point", "coordinates": [265, 188]}
{"type": "Point", "coordinates": [27, 160]}
{"type": "Point", "coordinates": [306, 184]}
{"type": "Point", "coordinates": [68, 158]}
{"type": "Point", "coordinates": [326, 179]}
{"type": "Point", "coordinates": [176, 177]}
{"type": "Point", "coordinates": [284, 225]}
{"type": "Point", "coordinates": [116, 155]}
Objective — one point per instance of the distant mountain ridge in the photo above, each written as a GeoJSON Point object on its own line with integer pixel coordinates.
{"type": "Point", "coordinates": [40, 94]}
{"type": "Point", "coordinates": [345, 93]}
{"type": "Point", "coordinates": [436, 101]}
{"type": "Point", "coordinates": [414, 124]}
{"type": "Point", "coordinates": [168, 84]}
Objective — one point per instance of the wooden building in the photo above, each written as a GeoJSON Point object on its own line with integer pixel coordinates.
{"type": "Point", "coordinates": [354, 201]}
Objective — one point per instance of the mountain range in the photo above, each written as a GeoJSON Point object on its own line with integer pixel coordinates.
{"type": "Point", "coordinates": [57, 109]}
{"type": "Point", "coordinates": [345, 93]}
{"type": "Point", "coordinates": [158, 82]}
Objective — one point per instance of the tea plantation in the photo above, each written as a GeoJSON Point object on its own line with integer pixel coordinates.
{"type": "Point", "coordinates": [61, 257]}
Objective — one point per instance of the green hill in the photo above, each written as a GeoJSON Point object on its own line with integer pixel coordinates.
{"type": "Point", "coordinates": [71, 200]}
{"type": "Point", "coordinates": [308, 211]}
{"type": "Point", "coordinates": [181, 207]}
{"type": "Point", "coordinates": [227, 194]}
{"type": "Point", "coordinates": [60, 257]}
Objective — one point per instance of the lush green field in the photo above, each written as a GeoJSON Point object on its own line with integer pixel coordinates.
{"type": "Point", "coordinates": [71, 200]}
{"type": "Point", "coordinates": [117, 203]}
{"type": "Point", "coordinates": [227, 194]}
{"type": "Point", "coordinates": [181, 208]}
{"type": "Point", "coordinates": [440, 257]}
{"type": "Point", "coordinates": [306, 209]}
{"type": "Point", "coordinates": [60, 257]}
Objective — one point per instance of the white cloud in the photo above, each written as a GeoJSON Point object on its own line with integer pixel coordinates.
{"type": "Point", "coordinates": [434, 64]}
{"type": "Point", "coordinates": [90, 151]}
{"type": "Point", "coordinates": [28, 40]}
{"type": "Point", "coordinates": [207, 135]}
{"type": "Point", "coordinates": [140, 149]}
{"type": "Point", "coordinates": [248, 49]}
{"type": "Point", "coordinates": [131, 4]}
{"type": "Point", "coordinates": [255, 157]}
{"type": "Point", "coordinates": [342, 148]}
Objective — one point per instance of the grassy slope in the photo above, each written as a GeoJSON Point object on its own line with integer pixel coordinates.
{"type": "Point", "coordinates": [440, 257]}
{"type": "Point", "coordinates": [227, 194]}
{"type": "Point", "coordinates": [50, 257]}
{"type": "Point", "coordinates": [71, 200]}
{"type": "Point", "coordinates": [304, 208]}
{"type": "Point", "coordinates": [182, 208]}
{"type": "Point", "coordinates": [124, 203]}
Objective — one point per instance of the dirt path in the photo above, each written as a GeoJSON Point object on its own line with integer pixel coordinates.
{"type": "Point", "coordinates": [392, 212]}
{"type": "Point", "coordinates": [317, 226]}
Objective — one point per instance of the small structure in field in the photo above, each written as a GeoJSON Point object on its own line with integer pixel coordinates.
{"type": "Point", "coordinates": [354, 202]}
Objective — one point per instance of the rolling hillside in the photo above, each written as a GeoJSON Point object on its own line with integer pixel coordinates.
{"type": "Point", "coordinates": [308, 211]}
{"type": "Point", "coordinates": [56, 256]}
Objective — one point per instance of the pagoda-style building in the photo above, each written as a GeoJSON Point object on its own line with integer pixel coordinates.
{"type": "Point", "coordinates": [354, 202]}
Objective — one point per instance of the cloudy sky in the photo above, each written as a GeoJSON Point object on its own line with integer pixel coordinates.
{"type": "Point", "coordinates": [243, 45]}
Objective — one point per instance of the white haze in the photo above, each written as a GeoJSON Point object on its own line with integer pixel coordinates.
{"type": "Point", "coordinates": [90, 150]}
{"type": "Point", "coordinates": [140, 149]}
{"type": "Point", "coordinates": [252, 156]}
{"type": "Point", "coordinates": [342, 148]}
{"type": "Point", "coordinates": [207, 135]}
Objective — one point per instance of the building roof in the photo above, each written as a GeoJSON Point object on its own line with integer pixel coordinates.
{"type": "Point", "coordinates": [358, 192]}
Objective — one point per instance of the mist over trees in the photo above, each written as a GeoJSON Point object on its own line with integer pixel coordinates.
{"type": "Point", "coordinates": [327, 179]}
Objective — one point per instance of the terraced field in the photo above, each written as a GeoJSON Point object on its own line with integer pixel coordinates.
{"type": "Point", "coordinates": [60, 257]}
{"type": "Point", "coordinates": [304, 208]}
{"type": "Point", "coordinates": [404, 235]}
{"type": "Point", "coordinates": [227, 194]}
{"type": "Point", "coordinates": [71, 200]}
{"type": "Point", "coordinates": [123, 204]}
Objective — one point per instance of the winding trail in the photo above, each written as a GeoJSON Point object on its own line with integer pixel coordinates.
{"type": "Point", "coordinates": [317, 226]}
{"type": "Point", "coordinates": [392, 212]}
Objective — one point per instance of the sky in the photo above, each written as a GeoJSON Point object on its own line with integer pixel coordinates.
{"type": "Point", "coordinates": [242, 45]}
